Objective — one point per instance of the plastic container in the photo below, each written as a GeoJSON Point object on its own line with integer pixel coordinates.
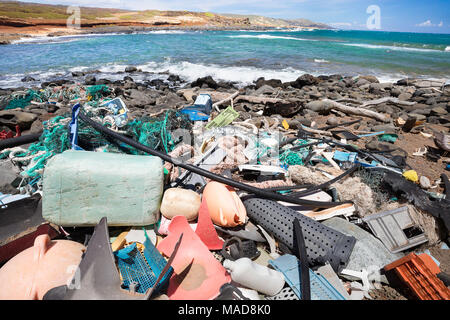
{"type": "Point", "coordinates": [180, 202]}
{"type": "Point", "coordinates": [254, 276]}
{"type": "Point", "coordinates": [414, 271]}
{"type": "Point", "coordinates": [80, 187]}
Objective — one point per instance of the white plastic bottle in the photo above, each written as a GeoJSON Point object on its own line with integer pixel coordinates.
{"type": "Point", "coordinates": [254, 276]}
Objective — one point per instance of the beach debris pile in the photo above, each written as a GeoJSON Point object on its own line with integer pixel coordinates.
{"type": "Point", "coordinates": [324, 188]}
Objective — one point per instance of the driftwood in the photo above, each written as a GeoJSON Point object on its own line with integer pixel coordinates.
{"type": "Point", "coordinates": [388, 99]}
{"type": "Point", "coordinates": [260, 100]}
{"type": "Point", "coordinates": [217, 104]}
{"type": "Point", "coordinates": [316, 131]}
{"type": "Point", "coordinates": [377, 102]}
{"type": "Point", "coordinates": [327, 105]}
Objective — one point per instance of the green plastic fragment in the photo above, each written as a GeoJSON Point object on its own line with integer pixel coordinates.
{"type": "Point", "coordinates": [388, 138]}
{"type": "Point", "coordinates": [223, 119]}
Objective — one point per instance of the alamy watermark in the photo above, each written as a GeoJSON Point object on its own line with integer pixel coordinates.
{"type": "Point", "coordinates": [74, 20]}
{"type": "Point", "coordinates": [374, 20]}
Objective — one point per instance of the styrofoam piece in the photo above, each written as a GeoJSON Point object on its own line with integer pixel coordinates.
{"type": "Point", "coordinates": [369, 253]}
{"type": "Point", "coordinates": [321, 289]}
{"type": "Point", "coordinates": [389, 227]}
{"type": "Point", "coordinates": [80, 187]}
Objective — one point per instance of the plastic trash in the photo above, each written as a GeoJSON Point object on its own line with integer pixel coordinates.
{"type": "Point", "coordinates": [411, 175]}
{"type": "Point", "coordinates": [225, 207]}
{"type": "Point", "coordinates": [205, 229]}
{"type": "Point", "coordinates": [48, 264]}
{"type": "Point", "coordinates": [177, 201]}
{"type": "Point", "coordinates": [142, 268]}
{"type": "Point", "coordinates": [197, 274]}
{"type": "Point", "coordinates": [223, 119]}
{"type": "Point", "coordinates": [252, 275]}
{"type": "Point", "coordinates": [321, 289]}
{"type": "Point", "coordinates": [419, 278]}
{"type": "Point", "coordinates": [82, 187]}
{"type": "Point", "coordinates": [120, 111]}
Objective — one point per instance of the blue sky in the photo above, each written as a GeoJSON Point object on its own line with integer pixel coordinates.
{"type": "Point", "coordinates": [395, 15]}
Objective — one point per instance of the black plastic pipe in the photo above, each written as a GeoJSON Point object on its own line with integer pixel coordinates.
{"type": "Point", "coordinates": [207, 174]}
{"type": "Point", "coordinates": [19, 141]}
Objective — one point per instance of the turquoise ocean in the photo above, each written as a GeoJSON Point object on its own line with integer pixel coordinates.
{"type": "Point", "coordinates": [240, 56]}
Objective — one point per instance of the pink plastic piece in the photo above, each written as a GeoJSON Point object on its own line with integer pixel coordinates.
{"type": "Point", "coordinates": [205, 229]}
{"type": "Point", "coordinates": [225, 207]}
{"type": "Point", "coordinates": [46, 265]}
{"type": "Point", "coordinates": [197, 274]}
{"type": "Point", "coordinates": [164, 226]}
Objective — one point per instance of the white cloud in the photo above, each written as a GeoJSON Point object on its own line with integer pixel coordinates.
{"type": "Point", "coordinates": [428, 23]}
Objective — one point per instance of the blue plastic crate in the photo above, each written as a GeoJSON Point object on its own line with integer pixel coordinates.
{"type": "Point", "coordinates": [143, 269]}
{"type": "Point", "coordinates": [321, 289]}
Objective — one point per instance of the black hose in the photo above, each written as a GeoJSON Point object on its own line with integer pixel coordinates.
{"type": "Point", "coordinates": [19, 141]}
{"type": "Point", "coordinates": [328, 183]}
{"type": "Point", "coordinates": [207, 174]}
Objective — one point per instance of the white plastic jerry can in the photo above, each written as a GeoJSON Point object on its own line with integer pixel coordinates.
{"type": "Point", "coordinates": [254, 276]}
{"type": "Point", "coordinates": [81, 187]}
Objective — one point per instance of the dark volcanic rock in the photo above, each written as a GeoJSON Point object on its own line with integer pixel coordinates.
{"type": "Point", "coordinates": [131, 69]}
{"type": "Point", "coordinates": [304, 80]}
{"type": "Point", "coordinates": [208, 81]}
{"type": "Point", "coordinates": [28, 79]}
{"type": "Point", "coordinates": [174, 78]}
{"type": "Point", "coordinates": [77, 74]}
{"type": "Point", "coordinates": [90, 80]}
{"type": "Point", "coordinates": [274, 83]}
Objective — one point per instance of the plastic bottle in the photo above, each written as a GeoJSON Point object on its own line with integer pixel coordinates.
{"type": "Point", "coordinates": [254, 276]}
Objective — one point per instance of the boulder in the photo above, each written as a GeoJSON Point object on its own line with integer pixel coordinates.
{"type": "Point", "coordinates": [305, 80]}
{"type": "Point", "coordinates": [11, 118]}
{"type": "Point", "coordinates": [77, 74]}
{"type": "Point", "coordinates": [28, 79]}
{"type": "Point", "coordinates": [371, 79]}
{"type": "Point", "coordinates": [90, 80]}
{"type": "Point", "coordinates": [131, 69]}
{"type": "Point", "coordinates": [274, 83]}
{"type": "Point", "coordinates": [208, 81]}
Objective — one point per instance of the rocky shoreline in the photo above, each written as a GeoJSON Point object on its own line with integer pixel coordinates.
{"type": "Point", "coordinates": [300, 102]}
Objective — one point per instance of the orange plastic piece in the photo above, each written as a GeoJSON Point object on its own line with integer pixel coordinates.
{"type": "Point", "coordinates": [419, 278]}
{"type": "Point", "coordinates": [225, 207]}
{"type": "Point", "coordinates": [429, 262]}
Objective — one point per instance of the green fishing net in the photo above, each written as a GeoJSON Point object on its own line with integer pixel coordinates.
{"type": "Point", "coordinates": [292, 158]}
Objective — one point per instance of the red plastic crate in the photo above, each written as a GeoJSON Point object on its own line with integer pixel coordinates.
{"type": "Point", "coordinates": [419, 278]}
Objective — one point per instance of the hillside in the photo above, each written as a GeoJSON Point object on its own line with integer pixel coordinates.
{"type": "Point", "coordinates": [18, 19]}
